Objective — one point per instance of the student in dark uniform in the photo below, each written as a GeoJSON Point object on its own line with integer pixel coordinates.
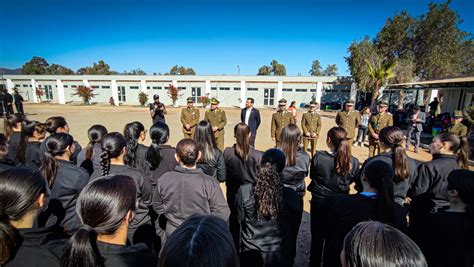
{"type": "Point", "coordinates": [8, 103]}
{"type": "Point", "coordinates": [13, 125]}
{"type": "Point", "coordinates": [293, 175]}
{"type": "Point", "coordinates": [241, 161]}
{"type": "Point", "coordinates": [23, 193]}
{"type": "Point", "coordinates": [157, 110]}
{"type": "Point", "coordinates": [113, 163]}
{"type": "Point", "coordinates": [202, 240]}
{"type": "Point", "coordinates": [106, 207]}
{"type": "Point", "coordinates": [375, 202]}
{"type": "Point", "coordinates": [28, 151]}
{"type": "Point", "coordinates": [159, 156]}
{"type": "Point", "coordinates": [2, 104]}
{"type": "Point", "coordinates": [5, 162]}
{"type": "Point", "coordinates": [377, 244]}
{"type": "Point", "coordinates": [187, 190]}
{"type": "Point", "coordinates": [59, 125]}
{"type": "Point", "coordinates": [265, 212]}
{"type": "Point", "coordinates": [18, 102]}
{"type": "Point", "coordinates": [212, 160]}
{"type": "Point", "coordinates": [428, 194]}
{"type": "Point", "coordinates": [331, 173]}
{"type": "Point", "coordinates": [135, 134]}
{"type": "Point", "coordinates": [392, 148]}
{"type": "Point", "coordinates": [447, 239]}
{"type": "Point", "coordinates": [93, 149]}
{"type": "Point", "coordinates": [65, 180]}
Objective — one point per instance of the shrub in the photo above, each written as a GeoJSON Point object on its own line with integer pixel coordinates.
{"type": "Point", "coordinates": [39, 93]}
{"type": "Point", "coordinates": [173, 93]}
{"type": "Point", "coordinates": [86, 93]}
{"type": "Point", "coordinates": [142, 98]}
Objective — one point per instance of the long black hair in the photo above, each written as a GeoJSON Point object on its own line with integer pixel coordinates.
{"type": "Point", "coordinates": [28, 129]}
{"type": "Point", "coordinates": [463, 182]}
{"type": "Point", "coordinates": [19, 191]}
{"type": "Point", "coordinates": [159, 135]}
{"type": "Point", "coordinates": [54, 123]}
{"type": "Point", "coordinates": [56, 145]}
{"type": "Point", "coordinates": [132, 132]}
{"type": "Point", "coordinates": [204, 137]}
{"type": "Point", "coordinates": [202, 240]}
{"type": "Point", "coordinates": [11, 122]}
{"type": "Point", "coordinates": [95, 133]}
{"type": "Point", "coordinates": [102, 207]}
{"type": "Point", "coordinates": [379, 175]}
{"type": "Point", "coordinates": [112, 145]}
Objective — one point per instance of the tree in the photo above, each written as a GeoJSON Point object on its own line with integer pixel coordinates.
{"type": "Point", "coordinates": [99, 68]}
{"type": "Point", "coordinates": [379, 76]}
{"type": "Point", "coordinates": [37, 65]}
{"type": "Point", "coordinates": [265, 70]}
{"type": "Point", "coordinates": [56, 69]}
{"type": "Point", "coordinates": [135, 72]}
{"type": "Point", "coordinates": [278, 69]}
{"type": "Point", "coordinates": [142, 98]}
{"type": "Point", "coordinates": [86, 93]}
{"type": "Point", "coordinates": [359, 54]}
{"type": "Point", "coordinates": [173, 93]}
{"type": "Point", "coordinates": [180, 70]}
{"type": "Point", "coordinates": [331, 70]}
{"type": "Point", "coordinates": [316, 69]}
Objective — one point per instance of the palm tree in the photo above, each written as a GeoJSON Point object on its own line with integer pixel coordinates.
{"type": "Point", "coordinates": [379, 76]}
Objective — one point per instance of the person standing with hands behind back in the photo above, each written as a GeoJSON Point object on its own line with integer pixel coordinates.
{"type": "Point", "coordinates": [218, 120]}
{"type": "Point", "coordinates": [189, 118]}
{"type": "Point", "coordinates": [311, 125]}
{"type": "Point", "coordinates": [376, 124]}
{"type": "Point", "coordinates": [349, 120]}
{"type": "Point", "coordinates": [157, 110]}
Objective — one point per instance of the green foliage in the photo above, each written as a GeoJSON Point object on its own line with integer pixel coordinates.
{"type": "Point", "coordinates": [359, 54]}
{"type": "Point", "coordinates": [265, 70]}
{"type": "Point", "coordinates": [86, 93]}
{"type": "Point", "coordinates": [135, 72]}
{"type": "Point", "coordinates": [142, 98]}
{"type": "Point", "coordinates": [331, 70]}
{"type": "Point", "coordinates": [37, 65]}
{"type": "Point", "coordinates": [180, 70]}
{"type": "Point", "coordinates": [316, 69]}
{"type": "Point", "coordinates": [99, 68]}
{"type": "Point", "coordinates": [56, 69]}
{"type": "Point", "coordinates": [275, 68]}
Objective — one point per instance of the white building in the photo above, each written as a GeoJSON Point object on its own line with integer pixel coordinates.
{"type": "Point", "coordinates": [229, 90]}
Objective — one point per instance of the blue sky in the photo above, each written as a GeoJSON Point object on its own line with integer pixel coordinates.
{"type": "Point", "coordinates": [213, 37]}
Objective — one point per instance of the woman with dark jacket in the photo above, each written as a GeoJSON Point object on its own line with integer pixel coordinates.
{"type": "Point", "coordinates": [28, 152]}
{"type": "Point", "coordinates": [5, 162]}
{"type": "Point", "coordinates": [113, 163]}
{"type": "Point", "coordinates": [375, 202]}
{"type": "Point", "coordinates": [159, 156]}
{"type": "Point", "coordinates": [187, 190]}
{"type": "Point", "coordinates": [428, 194]}
{"type": "Point", "coordinates": [23, 194]}
{"type": "Point", "coordinates": [212, 160]}
{"type": "Point", "coordinates": [447, 237]}
{"type": "Point", "coordinates": [59, 125]}
{"type": "Point", "coordinates": [65, 180]}
{"type": "Point", "coordinates": [392, 146]}
{"type": "Point", "coordinates": [293, 175]}
{"type": "Point", "coordinates": [241, 161]}
{"type": "Point", "coordinates": [331, 174]}
{"type": "Point", "coordinates": [265, 212]}
{"type": "Point", "coordinates": [135, 134]}
{"type": "Point", "coordinates": [13, 125]}
{"type": "Point", "coordinates": [93, 149]}
{"type": "Point", "coordinates": [106, 207]}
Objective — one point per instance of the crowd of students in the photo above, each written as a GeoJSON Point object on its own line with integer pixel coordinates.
{"type": "Point", "coordinates": [117, 202]}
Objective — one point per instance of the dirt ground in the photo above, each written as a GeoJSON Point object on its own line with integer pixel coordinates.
{"type": "Point", "coordinates": [80, 118]}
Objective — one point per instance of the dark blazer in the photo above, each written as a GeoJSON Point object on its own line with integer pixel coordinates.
{"type": "Point", "coordinates": [13, 145]}
{"type": "Point", "coordinates": [124, 256]}
{"type": "Point", "coordinates": [167, 164]}
{"type": "Point", "coordinates": [96, 151]}
{"type": "Point", "coordinates": [293, 176]}
{"type": "Point", "coordinates": [215, 167]}
{"type": "Point", "coordinates": [419, 124]}
{"type": "Point", "coordinates": [33, 155]}
{"type": "Point", "coordinates": [254, 119]}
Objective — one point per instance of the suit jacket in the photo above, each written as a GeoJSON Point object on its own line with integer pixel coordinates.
{"type": "Point", "coordinates": [254, 119]}
{"type": "Point", "coordinates": [419, 124]}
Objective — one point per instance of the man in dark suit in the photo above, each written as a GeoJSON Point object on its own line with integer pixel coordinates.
{"type": "Point", "coordinates": [415, 126]}
{"type": "Point", "coordinates": [251, 116]}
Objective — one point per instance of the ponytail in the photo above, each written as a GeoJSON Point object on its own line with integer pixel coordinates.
{"type": "Point", "coordinates": [49, 168]}
{"type": "Point", "coordinates": [105, 163]}
{"type": "Point", "coordinates": [131, 133]}
{"type": "Point", "coordinates": [112, 146]}
{"type": "Point", "coordinates": [28, 129]}
{"type": "Point", "coordinates": [343, 159]}
{"type": "Point", "coordinates": [379, 175]}
{"type": "Point", "coordinates": [56, 145]}
{"type": "Point", "coordinates": [153, 156]}
{"type": "Point", "coordinates": [242, 144]}
{"type": "Point", "coordinates": [81, 249]}
{"type": "Point", "coordinates": [394, 138]}
{"type": "Point", "coordinates": [9, 239]}
{"type": "Point", "coordinates": [159, 134]}
{"type": "Point", "coordinates": [95, 134]}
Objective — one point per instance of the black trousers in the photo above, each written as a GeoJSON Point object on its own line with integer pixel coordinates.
{"type": "Point", "coordinates": [19, 108]}
{"type": "Point", "coordinates": [252, 138]}
{"type": "Point", "coordinates": [320, 208]}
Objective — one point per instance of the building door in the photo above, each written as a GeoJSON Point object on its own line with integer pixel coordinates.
{"type": "Point", "coordinates": [121, 94]}
{"type": "Point", "coordinates": [269, 97]}
{"type": "Point", "coordinates": [196, 94]}
{"type": "Point", "coordinates": [48, 92]}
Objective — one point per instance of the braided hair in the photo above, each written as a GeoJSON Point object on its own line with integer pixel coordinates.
{"type": "Point", "coordinates": [112, 145]}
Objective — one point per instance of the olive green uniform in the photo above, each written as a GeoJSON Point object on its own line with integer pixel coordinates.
{"type": "Point", "coordinates": [311, 123]}
{"type": "Point", "coordinates": [349, 120]}
{"type": "Point", "coordinates": [217, 118]}
{"type": "Point", "coordinates": [458, 129]}
{"type": "Point", "coordinates": [189, 116]}
{"type": "Point", "coordinates": [279, 121]}
{"type": "Point", "coordinates": [376, 124]}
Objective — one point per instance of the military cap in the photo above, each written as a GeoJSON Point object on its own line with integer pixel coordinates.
{"type": "Point", "coordinates": [350, 102]}
{"type": "Point", "coordinates": [383, 104]}
{"type": "Point", "coordinates": [282, 101]}
{"type": "Point", "coordinates": [457, 114]}
{"type": "Point", "coordinates": [313, 103]}
{"type": "Point", "coordinates": [156, 97]}
{"type": "Point", "coordinates": [214, 101]}
{"type": "Point", "coordinates": [190, 99]}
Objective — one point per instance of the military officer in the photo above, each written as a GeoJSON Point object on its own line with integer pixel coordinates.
{"type": "Point", "coordinates": [311, 125]}
{"type": "Point", "coordinates": [349, 119]}
{"type": "Point", "coordinates": [376, 124]}
{"type": "Point", "coordinates": [280, 119]}
{"type": "Point", "coordinates": [456, 126]}
{"type": "Point", "coordinates": [189, 118]}
{"type": "Point", "coordinates": [216, 117]}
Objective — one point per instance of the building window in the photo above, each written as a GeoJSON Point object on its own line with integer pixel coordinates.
{"type": "Point", "coordinates": [252, 89]}
{"type": "Point", "coordinates": [287, 90]}
{"type": "Point", "coordinates": [133, 87]}
{"type": "Point", "coordinates": [105, 87]}
{"type": "Point", "coordinates": [301, 90]}
{"type": "Point", "coordinates": [95, 86]}
{"type": "Point", "coordinates": [236, 88]}
{"type": "Point", "coordinates": [66, 86]}
{"type": "Point", "coordinates": [313, 90]}
{"type": "Point", "coordinates": [25, 85]}
{"type": "Point", "coordinates": [73, 86]}
{"type": "Point", "coordinates": [148, 87]}
{"type": "Point", "coordinates": [182, 88]}
{"type": "Point", "coordinates": [213, 88]}
{"type": "Point", "coordinates": [224, 88]}
{"type": "Point", "coordinates": [156, 87]}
